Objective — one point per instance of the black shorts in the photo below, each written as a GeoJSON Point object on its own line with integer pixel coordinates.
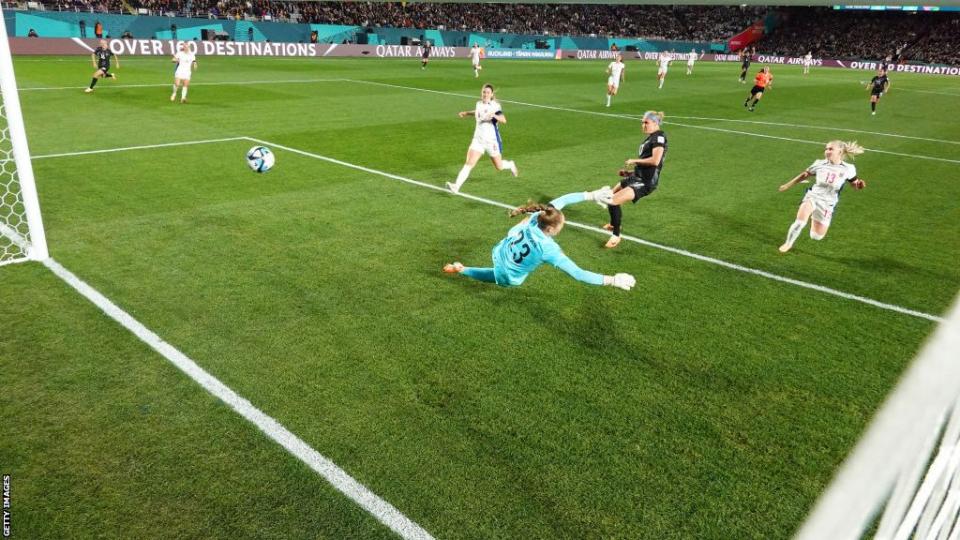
{"type": "Point", "coordinates": [745, 66]}
{"type": "Point", "coordinates": [425, 56]}
{"type": "Point", "coordinates": [757, 90]}
{"type": "Point", "coordinates": [876, 93]}
{"type": "Point", "coordinates": [641, 188]}
{"type": "Point", "coordinates": [104, 68]}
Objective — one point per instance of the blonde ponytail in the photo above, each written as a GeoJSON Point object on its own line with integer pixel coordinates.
{"type": "Point", "coordinates": [849, 149]}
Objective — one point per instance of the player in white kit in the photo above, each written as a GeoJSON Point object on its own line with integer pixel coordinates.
{"type": "Point", "coordinates": [615, 73]}
{"type": "Point", "coordinates": [486, 138]}
{"type": "Point", "coordinates": [186, 63]}
{"type": "Point", "coordinates": [475, 53]}
{"type": "Point", "coordinates": [820, 200]}
{"type": "Point", "coordinates": [807, 62]}
{"type": "Point", "coordinates": [664, 60]}
{"type": "Point", "coordinates": [691, 58]}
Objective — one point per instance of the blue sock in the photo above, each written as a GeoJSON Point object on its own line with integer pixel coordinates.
{"type": "Point", "coordinates": [569, 198]}
{"type": "Point", "coordinates": [480, 274]}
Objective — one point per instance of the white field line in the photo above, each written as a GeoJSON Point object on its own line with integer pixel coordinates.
{"type": "Point", "coordinates": [806, 126]}
{"type": "Point", "coordinates": [167, 85]}
{"type": "Point", "coordinates": [951, 94]}
{"type": "Point", "coordinates": [382, 510]}
{"type": "Point", "coordinates": [634, 118]}
{"type": "Point", "coordinates": [670, 249]}
{"type": "Point", "coordinates": [143, 147]}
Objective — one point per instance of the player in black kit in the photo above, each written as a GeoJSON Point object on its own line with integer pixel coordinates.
{"type": "Point", "coordinates": [644, 177]}
{"type": "Point", "coordinates": [425, 55]}
{"type": "Point", "coordinates": [746, 56]}
{"type": "Point", "coordinates": [878, 86]}
{"type": "Point", "coordinates": [101, 60]}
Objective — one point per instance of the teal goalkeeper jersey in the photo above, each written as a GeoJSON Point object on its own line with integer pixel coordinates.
{"type": "Point", "coordinates": [525, 248]}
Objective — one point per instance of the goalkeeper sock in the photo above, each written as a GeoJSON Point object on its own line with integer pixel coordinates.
{"type": "Point", "coordinates": [480, 274]}
{"type": "Point", "coordinates": [93, 82]}
{"type": "Point", "coordinates": [462, 177]}
{"type": "Point", "coordinates": [794, 232]}
{"type": "Point", "coordinates": [616, 213]}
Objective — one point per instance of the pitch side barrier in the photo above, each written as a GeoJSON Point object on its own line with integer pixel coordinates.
{"type": "Point", "coordinates": [156, 47]}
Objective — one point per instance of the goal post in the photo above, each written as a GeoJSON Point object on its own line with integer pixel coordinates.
{"type": "Point", "coordinates": [902, 480]}
{"type": "Point", "coordinates": [21, 227]}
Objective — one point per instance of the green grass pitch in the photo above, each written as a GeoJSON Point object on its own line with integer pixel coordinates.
{"type": "Point", "coordinates": [706, 403]}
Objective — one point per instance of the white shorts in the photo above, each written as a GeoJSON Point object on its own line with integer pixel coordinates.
{"type": "Point", "coordinates": [822, 208]}
{"type": "Point", "coordinates": [689, 63]}
{"type": "Point", "coordinates": [182, 75]}
{"type": "Point", "coordinates": [476, 63]}
{"type": "Point", "coordinates": [661, 71]}
{"type": "Point", "coordinates": [490, 145]}
{"type": "Point", "coordinates": [613, 81]}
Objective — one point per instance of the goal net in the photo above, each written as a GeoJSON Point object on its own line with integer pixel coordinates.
{"type": "Point", "coordinates": [902, 481]}
{"type": "Point", "coordinates": [21, 229]}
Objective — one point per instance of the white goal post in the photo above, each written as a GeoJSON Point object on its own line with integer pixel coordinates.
{"type": "Point", "coordinates": [902, 480]}
{"type": "Point", "coordinates": [21, 227]}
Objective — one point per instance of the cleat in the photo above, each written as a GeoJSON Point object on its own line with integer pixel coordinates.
{"type": "Point", "coordinates": [608, 227]}
{"type": "Point", "coordinates": [183, 100]}
{"type": "Point", "coordinates": [513, 170]}
{"type": "Point", "coordinates": [88, 90]}
{"type": "Point", "coordinates": [784, 248]}
{"type": "Point", "coordinates": [453, 268]}
{"type": "Point", "coordinates": [453, 187]}
{"type": "Point", "coordinates": [173, 97]}
{"type": "Point", "coordinates": [613, 242]}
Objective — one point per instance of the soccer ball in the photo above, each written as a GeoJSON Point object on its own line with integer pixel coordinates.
{"type": "Point", "coordinates": [260, 159]}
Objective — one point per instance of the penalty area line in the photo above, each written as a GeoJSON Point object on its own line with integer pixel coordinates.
{"type": "Point", "coordinates": [670, 249]}
{"type": "Point", "coordinates": [337, 477]}
{"type": "Point", "coordinates": [635, 118]}
{"type": "Point", "coordinates": [142, 147]}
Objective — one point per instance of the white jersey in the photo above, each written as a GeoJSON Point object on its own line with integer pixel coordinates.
{"type": "Point", "coordinates": [475, 55]}
{"type": "Point", "coordinates": [808, 59]}
{"type": "Point", "coordinates": [691, 58]}
{"type": "Point", "coordinates": [664, 62]}
{"type": "Point", "coordinates": [483, 113]}
{"type": "Point", "coordinates": [830, 179]}
{"type": "Point", "coordinates": [486, 136]}
{"type": "Point", "coordinates": [185, 60]}
{"type": "Point", "coordinates": [616, 71]}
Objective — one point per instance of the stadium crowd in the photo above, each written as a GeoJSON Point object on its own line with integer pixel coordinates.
{"type": "Point", "coordinates": [827, 33]}
{"type": "Point", "coordinates": [876, 35]}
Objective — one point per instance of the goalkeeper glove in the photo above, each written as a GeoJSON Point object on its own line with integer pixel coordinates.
{"type": "Point", "coordinates": [858, 184]}
{"type": "Point", "coordinates": [620, 281]}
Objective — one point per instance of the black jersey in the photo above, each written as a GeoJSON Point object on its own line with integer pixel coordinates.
{"type": "Point", "coordinates": [426, 50]}
{"type": "Point", "coordinates": [103, 56]}
{"type": "Point", "coordinates": [878, 83]}
{"type": "Point", "coordinates": [650, 172]}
